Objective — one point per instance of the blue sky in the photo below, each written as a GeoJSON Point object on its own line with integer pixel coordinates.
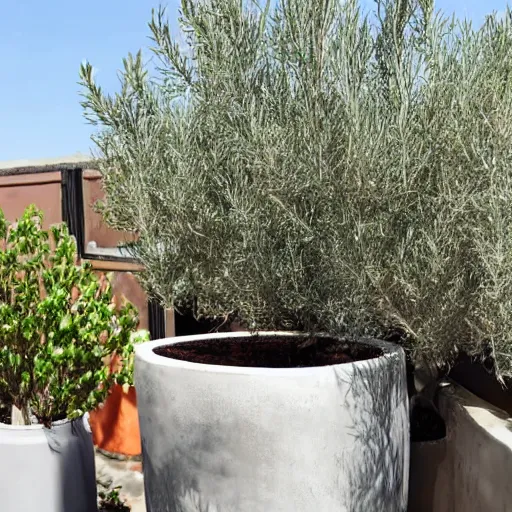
{"type": "Point", "coordinates": [42, 45]}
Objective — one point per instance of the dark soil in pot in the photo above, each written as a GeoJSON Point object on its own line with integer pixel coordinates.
{"type": "Point", "coordinates": [270, 351]}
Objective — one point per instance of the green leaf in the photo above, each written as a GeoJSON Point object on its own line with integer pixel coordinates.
{"type": "Point", "coordinates": [65, 323]}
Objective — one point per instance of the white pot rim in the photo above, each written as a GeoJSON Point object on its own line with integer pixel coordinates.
{"type": "Point", "coordinates": [36, 426]}
{"type": "Point", "coordinates": [145, 352]}
{"type": "Point", "coordinates": [7, 426]}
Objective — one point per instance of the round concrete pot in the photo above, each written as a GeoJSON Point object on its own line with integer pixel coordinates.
{"type": "Point", "coordinates": [47, 470]}
{"type": "Point", "coordinates": [245, 439]}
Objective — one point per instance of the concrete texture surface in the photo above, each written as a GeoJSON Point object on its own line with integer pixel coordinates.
{"type": "Point", "coordinates": [253, 439]}
{"type": "Point", "coordinates": [127, 474]}
{"type": "Point", "coordinates": [472, 467]}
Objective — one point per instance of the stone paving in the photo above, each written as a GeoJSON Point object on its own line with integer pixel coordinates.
{"type": "Point", "coordinates": [127, 474]}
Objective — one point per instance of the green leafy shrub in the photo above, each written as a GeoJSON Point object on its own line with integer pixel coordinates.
{"type": "Point", "coordinates": [124, 374]}
{"type": "Point", "coordinates": [59, 323]}
{"type": "Point", "coordinates": [307, 166]}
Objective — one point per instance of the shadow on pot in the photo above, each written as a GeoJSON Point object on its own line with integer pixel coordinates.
{"type": "Point", "coordinates": [182, 493]}
{"type": "Point", "coordinates": [380, 437]}
{"type": "Point", "coordinates": [71, 443]}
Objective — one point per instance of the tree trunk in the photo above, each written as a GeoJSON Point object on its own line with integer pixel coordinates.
{"type": "Point", "coordinates": [20, 416]}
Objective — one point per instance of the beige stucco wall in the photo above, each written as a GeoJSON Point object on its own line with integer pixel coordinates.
{"type": "Point", "coordinates": [472, 471]}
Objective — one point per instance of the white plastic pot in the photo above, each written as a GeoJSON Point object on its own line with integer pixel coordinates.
{"type": "Point", "coordinates": [47, 470]}
{"type": "Point", "coordinates": [236, 439]}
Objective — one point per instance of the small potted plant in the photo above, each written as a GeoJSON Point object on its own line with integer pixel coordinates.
{"type": "Point", "coordinates": [59, 323]}
{"type": "Point", "coordinates": [112, 502]}
{"type": "Point", "coordinates": [115, 424]}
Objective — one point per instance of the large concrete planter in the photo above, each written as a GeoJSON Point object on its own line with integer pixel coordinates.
{"type": "Point", "coordinates": [47, 470]}
{"type": "Point", "coordinates": [245, 439]}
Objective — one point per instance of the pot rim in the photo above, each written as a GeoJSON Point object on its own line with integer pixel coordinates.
{"type": "Point", "coordinates": [145, 352]}
{"type": "Point", "coordinates": [37, 426]}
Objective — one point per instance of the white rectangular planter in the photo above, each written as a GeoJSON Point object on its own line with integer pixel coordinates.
{"type": "Point", "coordinates": [474, 473]}
{"type": "Point", "coordinates": [246, 439]}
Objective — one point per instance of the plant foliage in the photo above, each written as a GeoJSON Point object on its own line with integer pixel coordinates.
{"type": "Point", "coordinates": [110, 501]}
{"type": "Point", "coordinates": [58, 323]}
{"type": "Point", "coordinates": [302, 164]}
{"type": "Point", "coordinates": [124, 370]}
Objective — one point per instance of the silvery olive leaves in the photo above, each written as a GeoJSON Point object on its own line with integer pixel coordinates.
{"type": "Point", "coordinates": [303, 164]}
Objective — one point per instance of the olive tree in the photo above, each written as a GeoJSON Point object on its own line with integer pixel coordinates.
{"type": "Point", "coordinates": [304, 164]}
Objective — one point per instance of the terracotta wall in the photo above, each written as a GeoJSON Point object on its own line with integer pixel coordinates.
{"type": "Point", "coordinates": [95, 228]}
{"type": "Point", "coordinates": [124, 282]}
{"type": "Point", "coordinates": [44, 189]}
{"type": "Point", "coordinates": [125, 285]}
